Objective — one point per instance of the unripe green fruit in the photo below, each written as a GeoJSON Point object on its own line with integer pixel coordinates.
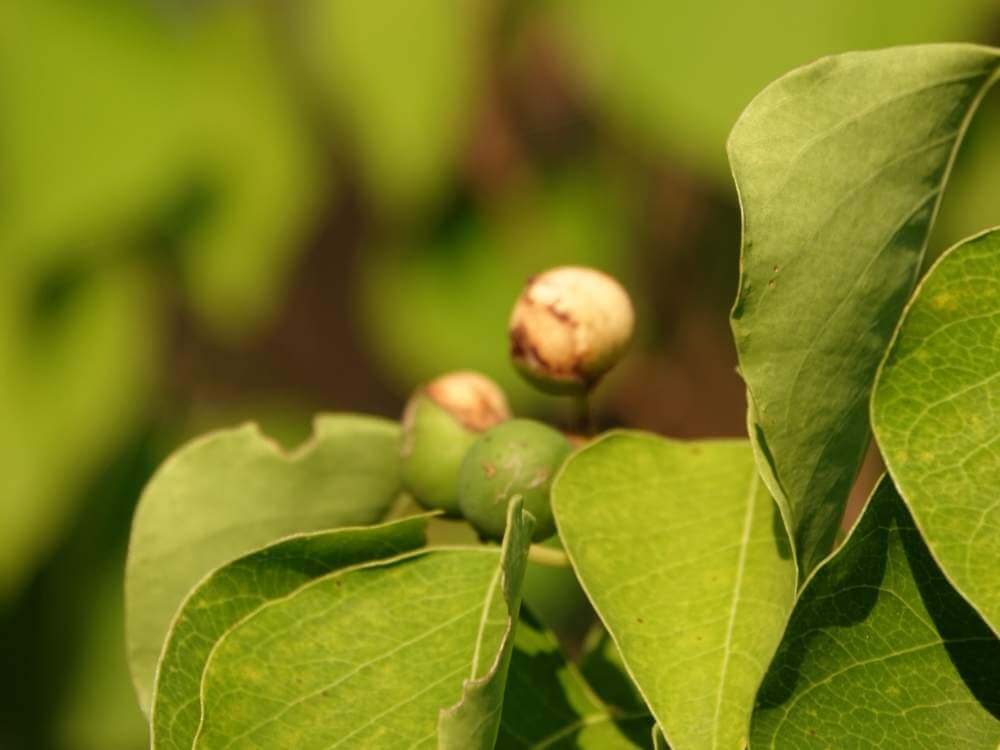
{"type": "Point", "coordinates": [440, 423]}
{"type": "Point", "coordinates": [569, 326]}
{"type": "Point", "coordinates": [519, 457]}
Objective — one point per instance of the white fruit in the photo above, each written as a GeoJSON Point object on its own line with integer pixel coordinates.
{"type": "Point", "coordinates": [569, 326]}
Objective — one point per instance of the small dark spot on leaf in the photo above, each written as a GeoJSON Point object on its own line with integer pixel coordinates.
{"type": "Point", "coordinates": [489, 470]}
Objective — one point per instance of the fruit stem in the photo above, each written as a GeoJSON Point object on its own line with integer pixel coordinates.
{"type": "Point", "coordinates": [584, 415]}
{"type": "Point", "coordinates": [553, 558]}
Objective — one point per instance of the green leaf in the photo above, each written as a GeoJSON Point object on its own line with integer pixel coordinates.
{"type": "Point", "coordinates": [936, 416]}
{"type": "Point", "coordinates": [675, 78]}
{"type": "Point", "coordinates": [374, 656]}
{"type": "Point", "coordinates": [550, 705]}
{"type": "Point", "coordinates": [403, 78]}
{"type": "Point", "coordinates": [681, 551]}
{"type": "Point", "coordinates": [881, 652]}
{"type": "Point", "coordinates": [232, 491]}
{"type": "Point", "coordinates": [238, 589]}
{"type": "Point", "coordinates": [840, 168]}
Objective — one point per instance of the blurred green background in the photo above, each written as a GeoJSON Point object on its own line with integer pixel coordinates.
{"type": "Point", "coordinates": [214, 210]}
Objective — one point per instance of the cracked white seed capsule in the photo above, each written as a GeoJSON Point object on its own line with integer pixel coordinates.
{"type": "Point", "coordinates": [569, 326]}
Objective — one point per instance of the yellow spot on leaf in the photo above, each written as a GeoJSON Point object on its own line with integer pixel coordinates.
{"type": "Point", "coordinates": [944, 301]}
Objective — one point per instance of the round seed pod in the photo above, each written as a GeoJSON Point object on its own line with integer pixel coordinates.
{"type": "Point", "coordinates": [518, 457]}
{"type": "Point", "coordinates": [569, 326]}
{"type": "Point", "coordinates": [441, 421]}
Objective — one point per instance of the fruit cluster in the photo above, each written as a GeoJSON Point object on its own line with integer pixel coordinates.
{"type": "Point", "coordinates": [462, 453]}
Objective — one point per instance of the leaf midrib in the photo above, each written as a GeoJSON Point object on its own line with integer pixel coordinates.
{"type": "Point", "coordinates": [734, 603]}
{"type": "Point", "coordinates": [483, 620]}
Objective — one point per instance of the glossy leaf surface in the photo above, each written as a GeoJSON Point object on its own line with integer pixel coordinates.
{"type": "Point", "coordinates": [840, 167]}
{"type": "Point", "coordinates": [236, 590]}
{"type": "Point", "coordinates": [936, 416]}
{"type": "Point", "coordinates": [681, 551]}
{"type": "Point", "coordinates": [410, 651]}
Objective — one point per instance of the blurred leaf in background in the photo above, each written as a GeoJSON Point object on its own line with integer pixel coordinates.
{"type": "Point", "coordinates": [75, 370]}
{"type": "Point", "coordinates": [399, 79]}
{"type": "Point", "coordinates": [62, 636]}
{"type": "Point", "coordinates": [126, 134]}
{"type": "Point", "coordinates": [99, 712]}
{"type": "Point", "coordinates": [114, 114]}
{"type": "Point", "coordinates": [676, 75]}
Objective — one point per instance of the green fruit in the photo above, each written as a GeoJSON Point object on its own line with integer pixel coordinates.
{"type": "Point", "coordinates": [441, 422]}
{"type": "Point", "coordinates": [519, 457]}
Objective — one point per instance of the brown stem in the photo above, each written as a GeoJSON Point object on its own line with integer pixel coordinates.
{"type": "Point", "coordinates": [584, 415]}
